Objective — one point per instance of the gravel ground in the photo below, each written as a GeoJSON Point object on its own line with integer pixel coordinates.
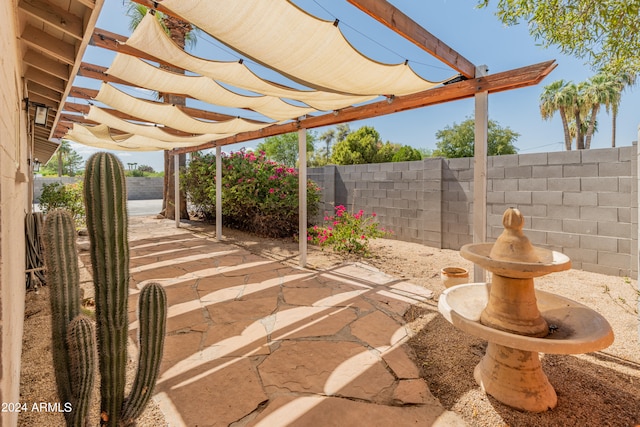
{"type": "Point", "coordinates": [595, 389]}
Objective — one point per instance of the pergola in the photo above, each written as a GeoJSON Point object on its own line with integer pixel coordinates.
{"type": "Point", "coordinates": [299, 47]}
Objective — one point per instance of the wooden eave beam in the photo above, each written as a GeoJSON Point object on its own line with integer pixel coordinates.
{"type": "Point", "coordinates": [520, 77]}
{"type": "Point", "coordinates": [392, 17]}
{"type": "Point", "coordinates": [39, 40]}
{"type": "Point", "coordinates": [36, 88]}
{"type": "Point", "coordinates": [39, 99]}
{"type": "Point", "coordinates": [79, 48]}
{"type": "Point", "coordinates": [91, 4]}
{"type": "Point", "coordinates": [54, 16]}
{"type": "Point", "coordinates": [45, 79]}
{"type": "Point", "coordinates": [46, 64]}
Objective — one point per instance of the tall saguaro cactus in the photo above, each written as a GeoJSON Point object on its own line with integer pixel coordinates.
{"type": "Point", "coordinates": [106, 206]}
{"type": "Point", "coordinates": [105, 199]}
{"type": "Point", "coordinates": [69, 357]}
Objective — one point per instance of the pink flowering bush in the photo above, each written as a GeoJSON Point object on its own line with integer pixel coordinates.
{"type": "Point", "coordinates": [346, 232]}
{"type": "Point", "coordinates": [258, 195]}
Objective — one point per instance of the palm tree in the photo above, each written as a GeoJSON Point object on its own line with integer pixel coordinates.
{"type": "Point", "coordinates": [622, 80]}
{"type": "Point", "coordinates": [559, 96]}
{"type": "Point", "coordinates": [328, 136]}
{"type": "Point", "coordinates": [183, 34]}
{"type": "Point", "coordinates": [601, 89]}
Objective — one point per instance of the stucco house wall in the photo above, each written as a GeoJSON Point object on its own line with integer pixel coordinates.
{"type": "Point", "coordinates": [14, 182]}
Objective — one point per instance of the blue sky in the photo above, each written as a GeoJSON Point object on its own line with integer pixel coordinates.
{"type": "Point", "coordinates": [474, 33]}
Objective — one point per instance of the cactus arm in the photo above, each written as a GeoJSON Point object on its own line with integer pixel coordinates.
{"type": "Point", "coordinates": [106, 209]}
{"type": "Point", "coordinates": [152, 316]}
{"type": "Point", "coordinates": [64, 278]}
{"type": "Point", "coordinates": [82, 355]}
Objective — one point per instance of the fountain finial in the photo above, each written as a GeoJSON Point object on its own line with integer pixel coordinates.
{"type": "Point", "coordinates": [513, 245]}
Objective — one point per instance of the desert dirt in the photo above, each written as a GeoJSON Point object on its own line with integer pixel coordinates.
{"type": "Point", "coordinates": [595, 389]}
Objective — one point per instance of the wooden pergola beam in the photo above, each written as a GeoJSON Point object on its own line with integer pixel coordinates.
{"type": "Point", "coordinates": [392, 17]}
{"type": "Point", "coordinates": [519, 77]}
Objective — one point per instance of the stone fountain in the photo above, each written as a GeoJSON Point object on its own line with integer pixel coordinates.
{"type": "Point", "coordinates": [518, 321]}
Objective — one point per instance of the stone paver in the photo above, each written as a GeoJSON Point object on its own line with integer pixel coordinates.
{"type": "Point", "coordinates": [252, 342]}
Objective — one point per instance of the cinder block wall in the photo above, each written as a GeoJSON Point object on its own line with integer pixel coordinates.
{"type": "Point", "coordinates": [405, 196]}
{"type": "Point", "coordinates": [138, 188]}
{"type": "Point", "coordinates": [582, 203]}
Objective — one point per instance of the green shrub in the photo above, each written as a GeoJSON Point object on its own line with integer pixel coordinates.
{"type": "Point", "coordinates": [68, 196]}
{"type": "Point", "coordinates": [347, 233]}
{"type": "Point", "coordinates": [259, 196]}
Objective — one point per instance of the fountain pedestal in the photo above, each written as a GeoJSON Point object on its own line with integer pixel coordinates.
{"type": "Point", "coordinates": [519, 322]}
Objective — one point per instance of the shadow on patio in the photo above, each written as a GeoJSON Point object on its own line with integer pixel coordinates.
{"type": "Point", "coordinates": [251, 341]}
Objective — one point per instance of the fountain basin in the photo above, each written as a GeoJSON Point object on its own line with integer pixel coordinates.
{"type": "Point", "coordinates": [550, 261]}
{"type": "Point", "coordinates": [575, 328]}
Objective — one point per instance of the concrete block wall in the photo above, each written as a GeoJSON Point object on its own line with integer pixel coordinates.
{"type": "Point", "coordinates": [138, 188]}
{"type": "Point", "coordinates": [405, 196]}
{"type": "Point", "coordinates": [582, 203]}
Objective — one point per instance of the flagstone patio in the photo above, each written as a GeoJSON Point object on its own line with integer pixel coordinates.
{"type": "Point", "coordinates": [254, 342]}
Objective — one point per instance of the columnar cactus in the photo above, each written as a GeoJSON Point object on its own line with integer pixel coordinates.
{"type": "Point", "coordinates": [152, 316]}
{"type": "Point", "coordinates": [106, 206]}
{"type": "Point", "coordinates": [105, 199]}
{"type": "Point", "coordinates": [81, 342]}
{"type": "Point", "coordinates": [64, 279]}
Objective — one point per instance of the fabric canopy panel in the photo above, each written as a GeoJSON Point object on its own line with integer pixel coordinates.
{"type": "Point", "coordinates": [170, 115]}
{"type": "Point", "coordinates": [308, 50]}
{"type": "Point", "coordinates": [149, 37]}
{"type": "Point", "coordinates": [101, 136]}
{"type": "Point", "coordinates": [98, 115]}
{"type": "Point", "coordinates": [142, 74]}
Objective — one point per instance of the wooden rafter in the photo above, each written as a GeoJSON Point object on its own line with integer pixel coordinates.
{"type": "Point", "coordinates": [46, 64]}
{"type": "Point", "coordinates": [520, 77]}
{"type": "Point", "coordinates": [393, 18]}
{"type": "Point", "coordinates": [39, 40]}
{"type": "Point", "coordinates": [45, 79]}
{"type": "Point", "coordinates": [54, 16]}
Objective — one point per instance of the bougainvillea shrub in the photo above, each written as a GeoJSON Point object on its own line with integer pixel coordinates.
{"type": "Point", "coordinates": [258, 195]}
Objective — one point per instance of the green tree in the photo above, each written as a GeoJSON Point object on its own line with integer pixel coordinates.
{"type": "Point", "coordinates": [67, 161]}
{"type": "Point", "coordinates": [406, 153]}
{"type": "Point", "coordinates": [458, 140]}
{"type": "Point", "coordinates": [358, 147]}
{"type": "Point", "coordinates": [605, 32]}
{"type": "Point", "coordinates": [623, 80]}
{"type": "Point", "coordinates": [284, 148]}
{"type": "Point", "coordinates": [425, 152]}
{"type": "Point", "coordinates": [558, 96]}
{"type": "Point", "coordinates": [579, 105]}
{"type": "Point", "coordinates": [337, 134]}
{"type": "Point", "coordinates": [601, 89]}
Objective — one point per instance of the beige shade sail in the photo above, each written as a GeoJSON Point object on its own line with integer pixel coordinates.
{"type": "Point", "coordinates": [101, 136]}
{"type": "Point", "coordinates": [99, 115]}
{"type": "Point", "coordinates": [149, 37]}
{"type": "Point", "coordinates": [318, 56]}
{"type": "Point", "coordinates": [170, 115]}
{"type": "Point", "coordinates": [145, 75]}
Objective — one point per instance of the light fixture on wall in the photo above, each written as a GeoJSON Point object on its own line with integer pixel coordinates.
{"type": "Point", "coordinates": [35, 165]}
{"type": "Point", "coordinates": [42, 113]}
